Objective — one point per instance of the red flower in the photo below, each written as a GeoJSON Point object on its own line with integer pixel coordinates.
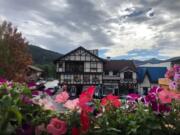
{"type": "Point", "coordinates": [85, 97]}
{"type": "Point", "coordinates": [88, 93]}
{"type": "Point", "coordinates": [85, 121]}
{"type": "Point", "coordinates": [75, 131]}
{"type": "Point", "coordinates": [57, 127]}
{"type": "Point", "coordinates": [111, 100]}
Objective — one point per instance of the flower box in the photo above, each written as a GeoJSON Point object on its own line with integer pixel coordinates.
{"type": "Point", "coordinates": [164, 83]}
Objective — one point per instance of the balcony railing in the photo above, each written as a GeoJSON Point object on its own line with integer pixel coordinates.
{"type": "Point", "coordinates": [128, 81]}
{"type": "Point", "coordinates": [107, 77]}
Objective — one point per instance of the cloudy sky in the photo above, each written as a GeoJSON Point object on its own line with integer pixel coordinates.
{"type": "Point", "coordinates": [132, 29]}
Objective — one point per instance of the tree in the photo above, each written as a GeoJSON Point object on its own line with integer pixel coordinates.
{"type": "Point", "coordinates": [14, 56]}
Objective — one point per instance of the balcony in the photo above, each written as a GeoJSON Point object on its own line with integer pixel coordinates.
{"type": "Point", "coordinates": [128, 81]}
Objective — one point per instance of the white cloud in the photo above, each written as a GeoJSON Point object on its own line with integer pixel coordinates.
{"type": "Point", "coordinates": [130, 36]}
{"type": "Point", "coordinates": [2, 18]}
{"type": "Point", "coordinates": [117, 26]}
{"type": "Point", "coordinates": [170, 52]}
{"type": "Point", "coordinates": [57, 5]}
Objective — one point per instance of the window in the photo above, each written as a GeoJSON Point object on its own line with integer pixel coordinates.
{"type": "Point", "coordinates": [128, 75]}
{"type": "Point", "coordinates": [110, 73]}
{"type": "Point", "coordinates": [60, 64]}
{"type": "Point", "coordinates": [95, 78]}
{"type": "Point", "coordinates": [93, 65]}
{"type": "Point", "coordinates": [86, 78]}
{"type": "Point", "coordinates": [74, 67]}
{"type": "Point", "coordinates": [77, 78]}
{"type": "Point", "coordinates": [115, 73]}
{"type": "Point", "coordinates": [145, 90]}
{"type": "Point", "coordinates": [106, 73]}
{"type": "Point", "coordinates": [67, 78]}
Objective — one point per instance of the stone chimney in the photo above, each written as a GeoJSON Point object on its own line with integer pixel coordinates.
{"type": "Point", "coordinates": [95, 52]}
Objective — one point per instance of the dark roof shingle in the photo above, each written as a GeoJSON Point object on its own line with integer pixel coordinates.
{"type": "Point", "coordinates": [119, 65]}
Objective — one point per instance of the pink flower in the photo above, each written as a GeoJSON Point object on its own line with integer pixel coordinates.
{"type": "Point", "coordinates": [170, 73]}
{"type": "Point", "coordinates": [2, 80]}
{"type": "Point", "coordinates": [57, 127]}
{"type": "Point", "coordinates": [62, 97]}
{"type": "Point", "coordinates": [176, 68]}
{"type": "Point", "coordinates": [32, 85]}
{"type": "Point", "coordinates": [133, 96]}
{"type": "Point", "coordinates": [72, 104]}
{"type": "Point", "coordinates": [174, 95]}
{"type": "Point", "coordinates": [45, 104]}
{"type": "Point", "coordinates": [49, 107]}
{"type": "Point", "coordinates": [165, 96]}
{"type": "Point", "coordinates": [39, 129]}
{"type": "Point", "coordinates": [173, 85]}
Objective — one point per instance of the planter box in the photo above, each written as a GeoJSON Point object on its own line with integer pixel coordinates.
{"type": "Point", "coordinates": [164, 83]}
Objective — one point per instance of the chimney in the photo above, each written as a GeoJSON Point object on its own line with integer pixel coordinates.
{"type": "Point", "coordinates": [95, 52]}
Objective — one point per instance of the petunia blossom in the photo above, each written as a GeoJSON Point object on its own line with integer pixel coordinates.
{"type": "Point", "coordinates": [133, 96]}
{"type": "Point", "coordinates": [86, 97]}
{"type": "Point", "coordinates": [165, 97]}
{"type": "Point", "coordinates": [176, 77]}
{"type": "Point", "coordinates": [75, 131]}
{"type": "Point", "coordinates": [85, 121]}
{"type": "Point", "coordinates": [170, 73]}
{"type": "Point", "coordinates": [40, 129]}
{"type": "Point", "coordinates": [174, 95]}
{"type": "Point", "coordinates": [72, 104]}
{"type": "Point", "coordinates": [111, 100]}
{"type": "Point", "coordinates": [176, 68]}
{"type": "Point", "coordinates": [57, 127]}
{"type": "Point", "coordinates": [62, 97]}
{"type": "Point", "coordinates": [32, 85]}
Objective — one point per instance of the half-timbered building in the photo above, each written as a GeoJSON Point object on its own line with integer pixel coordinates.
{"type": "Point", "coordinates": [79, 69]}
{"type": "Point", "coordinates": [119, 77]}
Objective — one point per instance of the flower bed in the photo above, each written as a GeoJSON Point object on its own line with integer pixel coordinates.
{"type": "Point", "coordinates": [22, 113]}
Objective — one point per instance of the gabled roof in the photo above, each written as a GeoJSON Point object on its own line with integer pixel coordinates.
{"type": "Point", "coordinates": [153, 73]}
{"type": "Point", "coordinates": [35, 68]}
{"type": "Point", "coordinates": [119, 65]}
{"type": "Point", "coordinates": [80, 47]}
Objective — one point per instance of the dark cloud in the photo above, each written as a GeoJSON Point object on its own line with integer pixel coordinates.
{"type": "Point", "coordinates": [119, 27]}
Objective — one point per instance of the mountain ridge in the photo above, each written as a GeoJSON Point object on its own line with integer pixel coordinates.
{"type": "Point", "coordinates": [42, 56]}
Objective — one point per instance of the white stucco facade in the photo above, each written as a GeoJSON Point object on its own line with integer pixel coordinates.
{"type": "Point", "coordinates": [146, 84]}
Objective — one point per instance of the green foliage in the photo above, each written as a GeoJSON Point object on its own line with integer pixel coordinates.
{"type": "Point", "coordinates": [1, 72]}
{"type": "Point", "coordinates": [14, 112]}
{"type": "Point", "coordinates": [141, 120]}
{"type": "Point", "coordinates": [49, 70]}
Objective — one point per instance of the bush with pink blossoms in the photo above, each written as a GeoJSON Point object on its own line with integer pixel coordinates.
{"type": "Point", "coordinates": [21, 113]}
